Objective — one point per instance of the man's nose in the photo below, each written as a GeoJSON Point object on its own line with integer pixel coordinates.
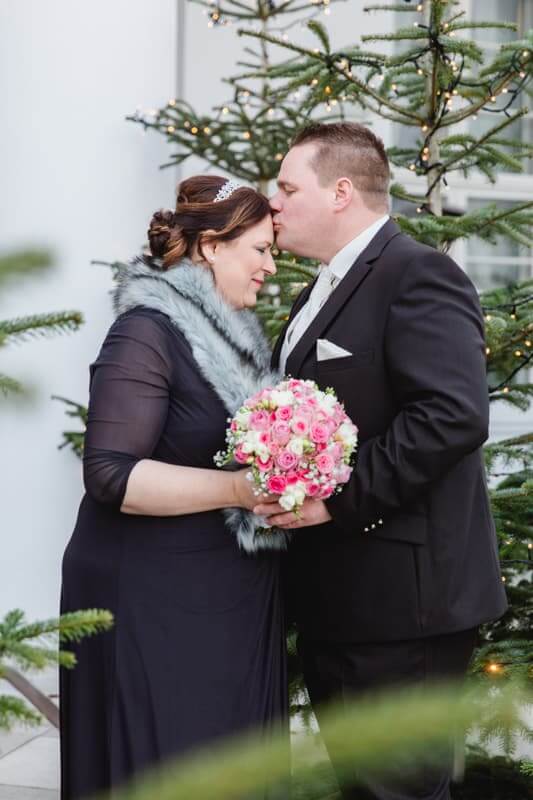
{"type": "Point", "coordinates": [274, 202]}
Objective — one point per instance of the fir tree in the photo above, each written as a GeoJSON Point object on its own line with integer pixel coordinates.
{"type": "Point", "coordinates": [33, 646]}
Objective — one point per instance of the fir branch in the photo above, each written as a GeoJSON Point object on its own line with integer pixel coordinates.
{"type": "Point", "coordinates": [23, 262]}
{"type": "Point", "coordinates": [22, 328]}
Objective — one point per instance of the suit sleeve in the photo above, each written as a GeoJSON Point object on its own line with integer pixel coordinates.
{"type": "Point", "coordinates": [435, 358]}
{"type": "Point", "coordinates": [128, 405]}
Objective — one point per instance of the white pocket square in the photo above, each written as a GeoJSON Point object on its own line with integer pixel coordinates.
{"type": "Point", "coordinates": [326, 350]}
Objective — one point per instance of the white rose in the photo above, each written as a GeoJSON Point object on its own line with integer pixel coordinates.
{"type": "Point", "coordinates": [347, 434]}
{"type": "Point", "coordinates": [287, 500]}
{"type": "Point", "coordinates": [280, 398]}
{"type": "Point", "coordinates": [243, 418]}
{"type": "Point", "coordinates": [296, 446]}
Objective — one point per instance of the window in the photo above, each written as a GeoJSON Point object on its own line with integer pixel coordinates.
{"type": "Point", "coordinates": [493, 265]}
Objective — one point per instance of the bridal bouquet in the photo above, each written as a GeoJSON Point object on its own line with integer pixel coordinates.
{"type": "Point", "coordinates": [297, 439]}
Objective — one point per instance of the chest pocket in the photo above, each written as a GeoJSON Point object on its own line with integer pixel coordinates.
{"type": "Point", "coordinates": [359, 358]}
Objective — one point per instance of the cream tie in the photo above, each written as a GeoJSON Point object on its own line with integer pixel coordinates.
{"type": "Point", "coordinates": [320, 293]}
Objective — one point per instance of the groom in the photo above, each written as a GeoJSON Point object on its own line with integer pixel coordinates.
{"type": "Point", "coordinates": [390, 579]}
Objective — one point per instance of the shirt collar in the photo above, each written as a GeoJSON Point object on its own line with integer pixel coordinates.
{"type": "Point", "coordinates": [343, 260]}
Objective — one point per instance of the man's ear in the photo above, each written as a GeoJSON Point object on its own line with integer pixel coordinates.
{"type": "Point", "coordinates": [343, 193]}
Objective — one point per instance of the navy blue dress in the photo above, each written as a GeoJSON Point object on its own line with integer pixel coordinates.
{"type": "Point", "coordinates": [197, 650]}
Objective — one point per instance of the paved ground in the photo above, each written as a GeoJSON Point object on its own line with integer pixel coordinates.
{"type": "Point", "coordinates": [29, 756]}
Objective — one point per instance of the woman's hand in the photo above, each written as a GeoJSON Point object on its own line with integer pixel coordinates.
{"type": "Point", "coordinates": [243, 489]}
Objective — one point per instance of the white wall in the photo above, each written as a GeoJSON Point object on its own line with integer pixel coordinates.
{"type": "Point", "coordinates": [78, 178]}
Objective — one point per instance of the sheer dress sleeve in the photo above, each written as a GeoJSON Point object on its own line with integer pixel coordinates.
{"type": "Point", "coordinates": [128, 403]}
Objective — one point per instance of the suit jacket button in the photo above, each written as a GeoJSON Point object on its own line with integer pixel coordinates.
{"type": "Point", "coordinates": [380, 521]}
{"type": "Point", "coordinates": [366, 530]}
{"type": "Point", "coordinates": [373, 525]}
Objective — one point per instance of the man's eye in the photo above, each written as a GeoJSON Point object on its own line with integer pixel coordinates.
{"type": "Point", "coordinates": [261, 250]}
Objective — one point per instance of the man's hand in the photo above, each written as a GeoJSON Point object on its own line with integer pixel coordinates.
{"type": "Point", "coordinates": [313, 512]}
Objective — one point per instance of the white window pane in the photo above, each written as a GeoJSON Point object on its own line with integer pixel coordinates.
{"type": "Point", "coordinates": [495, 11]}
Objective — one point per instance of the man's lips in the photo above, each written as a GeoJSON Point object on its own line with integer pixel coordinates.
{"type": "Point", "coordinates": [256, 280]}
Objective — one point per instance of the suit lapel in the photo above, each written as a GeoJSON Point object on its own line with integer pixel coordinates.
{"type": "Point", "coordinates": [296, 306]}
{"type": "Point", "coordinates": [340, 296]}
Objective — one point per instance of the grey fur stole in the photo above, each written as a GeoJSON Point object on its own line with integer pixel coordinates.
{"type": "Point", "coordinates": [228, 346]}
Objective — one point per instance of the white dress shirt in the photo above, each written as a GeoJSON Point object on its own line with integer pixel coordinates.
{"type": "Point", "coordinates": [338, 267]}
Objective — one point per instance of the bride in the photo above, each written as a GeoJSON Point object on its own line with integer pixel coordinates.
{"type": "Point", "coordinates": [197, 650]}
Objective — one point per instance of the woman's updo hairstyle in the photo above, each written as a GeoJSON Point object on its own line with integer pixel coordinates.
{"type": "Point", "coordinates": [175, 234]}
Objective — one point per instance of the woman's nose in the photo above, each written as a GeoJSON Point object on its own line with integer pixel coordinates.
{"type": "Point", "coordinates": [271, 265]}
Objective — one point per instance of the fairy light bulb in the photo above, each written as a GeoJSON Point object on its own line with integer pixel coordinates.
{"type": "Point", "coordinates": [412, 167]}
{"type": "Point", "coordinates": [247, 135]}
{"type": "Point", "coordinates": [172, 102]}
{"type": "Point", "coordinates": [170, 129]}
{"type": "Point", "coordinates": [487, 350]}
{"type": "Point", "coordinates": [194, 130]}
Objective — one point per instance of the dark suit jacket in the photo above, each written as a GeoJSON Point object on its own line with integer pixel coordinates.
{"type": "Point", "coordinates": [411, 550]}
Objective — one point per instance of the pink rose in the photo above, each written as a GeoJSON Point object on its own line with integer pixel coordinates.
{"type": "Point", "coordinates": [233, 425]}
{"type": "Point", "coordinates": [264, 437]}
{"type": "Point", "coordinates": [284, 413]}
{"type": "Point", "coordinates": [343, 473]}
{"type": "Point", "coordinates": [286, 460]}
{"type": "Point", "coordinates": [336, 450]}
{"type": "Point", "coordinates": [276, 484]}
{"type": "Point", "coordinates": [325, 463]}
{"type": "Point", "coordinates": [312, 488]}
{"type": "Point", "coordinates": [324, 493]}
{"type": "Point", "coordinates": [273, 416]}
{"type": "Point", "coordinates": [259, 420]}
{"type": "Point", "coordinates": [300, 425]}
{"type": "Point", "coordinates": [319, 432]}
{"type": "Point", "coordinates": [240, 456]}
{"type": "Point", "coordinates": [264, 466]}
{"type": "Point", "coordinates": [293, 476]}
{"type": "Point", "coordinates": [281, 432]}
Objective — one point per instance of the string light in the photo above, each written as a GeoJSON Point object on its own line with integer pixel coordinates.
{"type": "Point", "coordinates": [194, 130]}
{"type": "Point", "coordinates": [171, 102]}
{"type": "Point", "coordinates": [207, 130]}
{"type": "Point", "coordinates": [494, 668]}
{"type": "Point", "coordinates": [171, 129]}
{"type": "Point", "coordinates": [247, 135]}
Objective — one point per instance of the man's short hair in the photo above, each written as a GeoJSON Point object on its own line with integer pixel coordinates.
{"type": "Point", "coordinates": [351, 150]}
